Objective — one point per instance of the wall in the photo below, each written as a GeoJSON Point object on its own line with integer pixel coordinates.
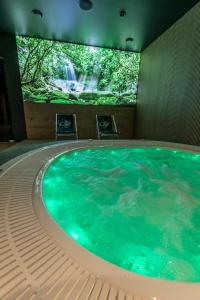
{"type": "Point", "coordinates": [168, 106]}
{"type": "Point", "coordinates": [8, 51]}
{"type": "Point", "coordinates": [40, 119]}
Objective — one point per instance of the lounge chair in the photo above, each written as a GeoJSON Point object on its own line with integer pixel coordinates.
{"type": "Point", "coordinates": [66, 127]}
{"type": "Point", "coordinates": [106, 127]}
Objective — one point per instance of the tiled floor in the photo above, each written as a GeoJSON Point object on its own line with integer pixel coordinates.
{"type": "Point", "coordinates": [5, 145]}
{"type": "Point", "coordinates": [33, 265]}
{"type": "Point", "coordinates": [9, 151]}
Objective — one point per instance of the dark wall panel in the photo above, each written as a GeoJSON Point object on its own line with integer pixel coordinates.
{"type": "Point", "coordinates": [168, 106]}
{"type": "Point", "coordinates": [8, 51]}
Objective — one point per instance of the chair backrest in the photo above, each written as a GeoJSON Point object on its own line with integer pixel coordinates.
{"type": "Point", "coordinates": [65, 124]}
{"type": "Point", "coordinates": [105, 124]}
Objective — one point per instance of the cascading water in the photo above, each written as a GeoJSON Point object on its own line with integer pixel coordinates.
{"type": "Point", "coordinates": [70, 72]}
{"type": "Point", "coordinates": [82, 82]}
{"type": "Point", "coordinates": [71, 84]}
{"type": "Point", "coordinates": [92, 84]}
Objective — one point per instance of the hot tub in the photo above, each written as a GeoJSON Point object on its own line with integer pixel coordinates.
{"type": "Point", "coordinates": [128, 212]}
{"type": "Point", "coordinates": [39, 260]}
{"type": "Point", "coordinates": [146, 203]}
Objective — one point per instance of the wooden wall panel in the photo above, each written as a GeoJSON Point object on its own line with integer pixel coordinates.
{"type": "Point", "coordinates": [168, 107]}
{"type": "Point", "coordinates": [40, 119]}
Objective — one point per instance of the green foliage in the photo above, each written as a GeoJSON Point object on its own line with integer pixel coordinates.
{"type": "Point", "coordinates": [43, 61]}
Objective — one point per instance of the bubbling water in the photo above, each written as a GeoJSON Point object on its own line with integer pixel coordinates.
{"type": "Point", "coordinates": [138, 208]}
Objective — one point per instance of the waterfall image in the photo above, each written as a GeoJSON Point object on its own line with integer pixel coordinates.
{"type": "Point", "coordinates": [62, 73]}
{"type": "Point", "coordinates": [71, 81]}
{"type": "Point", "coordinates": [70, 72]}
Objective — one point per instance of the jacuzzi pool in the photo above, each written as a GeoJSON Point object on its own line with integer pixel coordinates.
{"type": "Point", "coordinates": [137, 208]}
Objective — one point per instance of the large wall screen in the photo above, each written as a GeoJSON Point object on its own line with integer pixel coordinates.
{"type": "Point", "coordinates": [55, 72]}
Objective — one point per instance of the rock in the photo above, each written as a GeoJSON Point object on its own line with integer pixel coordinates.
{"type": "Point", "coordinates": [73, 96]}
{"type": "Point", "coordinates": [95, 95]}
{"type": "Point", "coordinates": [128, 93]}
{"type": "Point", "coordinates": [89, 95]}
{"type": "Point", "coordinates": [106, 94]}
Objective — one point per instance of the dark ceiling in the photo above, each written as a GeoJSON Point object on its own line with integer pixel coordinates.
{"type": "Point", "coordinates": [102, 26]}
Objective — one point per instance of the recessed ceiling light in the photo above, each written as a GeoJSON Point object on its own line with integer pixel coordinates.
{"type": "Point", "coordinates": [122, 13]}
{"type": "Point", "coordinates": [85, 4]}
{"type": "Point", "coordinates": [37, 12]}
{"type": "Point", "coordinates": [129, 39]}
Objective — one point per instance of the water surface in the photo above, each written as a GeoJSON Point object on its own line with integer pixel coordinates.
{"type": "Point", "coordinates": [138, 208]}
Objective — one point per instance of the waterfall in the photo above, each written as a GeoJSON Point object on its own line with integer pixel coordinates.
{"type": "Point", "coordinates": [70, 72]}
{"type": "Point", "coordinates": [92, 84]}
{"type": "Point", "coordinates": [71, 84]}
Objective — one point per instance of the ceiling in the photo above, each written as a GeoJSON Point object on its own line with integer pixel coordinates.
{"type": "Point", "coordinates": [102, 26]}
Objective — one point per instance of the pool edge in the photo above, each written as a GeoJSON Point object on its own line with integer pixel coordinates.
{"type": "Point", "coordinates": [31, 256]}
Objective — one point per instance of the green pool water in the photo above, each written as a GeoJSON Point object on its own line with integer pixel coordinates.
{"type": "Point", "coordinates": [138, 208]}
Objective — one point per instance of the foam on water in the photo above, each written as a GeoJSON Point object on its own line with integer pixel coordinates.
{"type": "Point", "coordinates": [138, 208]}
